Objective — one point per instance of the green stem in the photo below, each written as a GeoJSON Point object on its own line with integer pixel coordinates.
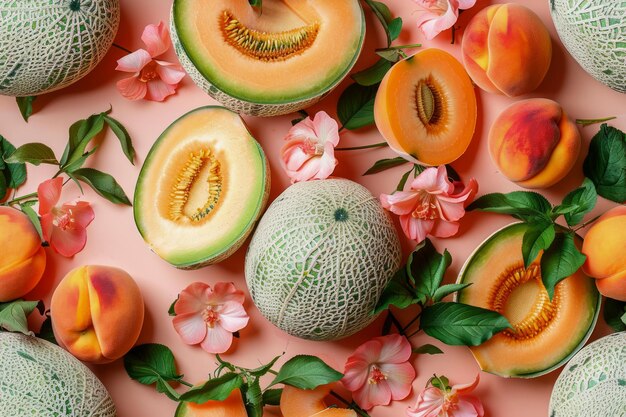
{"type": "Point", "coordinates": [587, 122]}
{"type": "Point", "coordinates": [356, 408]}
{"type": "Point", "coordinates": [22, 198]}
{"type": "Point", "coordinates": [186, 383]}
{"type": "Point", "coordinates": [394, 48]}
{"type": "Point", "coordinates": [585, 224]}
{"type": "Point", "coordinates": [354, 148]}
{"type": "Point", "coordinates": [122, 48]}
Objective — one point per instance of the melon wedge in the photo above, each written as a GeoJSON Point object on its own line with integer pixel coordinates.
{"type": "Point", "coordinates": [425, 108]}
{"type": "Point", "coordinates": [201, 189]}
{"type": "Point", "coordinates": [279, 60]}
{"type": "Point", "coordinates": [545, 333]}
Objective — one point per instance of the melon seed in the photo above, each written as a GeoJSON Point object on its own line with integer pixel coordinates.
{"type": "Point", "coordinates": [429, 102]}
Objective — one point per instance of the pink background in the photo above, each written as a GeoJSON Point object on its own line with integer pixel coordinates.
{"type": "Point", "coordinates": [114, 240]}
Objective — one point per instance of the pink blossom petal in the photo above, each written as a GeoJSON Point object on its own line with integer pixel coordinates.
{"type": "Point", "coordinates": [355, 374]}
{"type": "Point", "coordinates": [131, 88]}
{"type": "Point", "coordinates": [370, 395]}
{"type": "Point", "coordinates": [432, 27]}
{"type": "Point", "coordinates": [395, 349]}
{"type": "Point", "coordinates": [293, 156]}
{"type": "Point", "coordinates": [190, 327]}
{"type": "Point", "coordinates": [429, 403]}
{"type": "Point", "coordinates": [302, 130]}
{"type": "Point", "coordinates": [400, 202]}
{"type": "Point", "coordinates": [475, 402]}
{"type": "Point", "coordinates": [47, 225]}
{"type": "Point", "coordinates": [80, 212]}
{"type": "Point", "coordinates": [306, 171]}
{"type": "Point", "coordinates": [49, 193]}
{"type": "Point", "coordinates": [368, 352]}
{"type": "Point", "coordinates": [134, 62]}
{"type": "Point", "coordinates": [224, 292]}
{"type": "Point", "coordinates": [466, 4]}
{"type": "Point", "coordinates": [233, 316]}
{"type": "Point", "coordinates": [156, 38]}
{"type": "Point", "coordinates": [217, 340]}
{"type": "Point", "coordinates": [432, 180]}
{"type": "Point", "coordinates": [442, 228]}
{"type": "Point", "coordinates": [399, 377]}
{"type": "Point", "coordinates": [193, 299]}
{"type": "Point", "coordinates": [327, 165]}
{"type": "Point", "coordinates": [466, 409]}
{"type": "Point", "coordinates": [326, 128]}
{"type": "Point", "coordinates": [416, 229]}
{"type": "Point", "coordinates": [170, 73]}
{"type": "Point", "coordinates": [450, 211]}
{"type": "Point", "coordinates": [463, 389]}
{"type": "Point", "coordinates": [69, 241]}
{"type": "Point", "coordinates": [159, 90]}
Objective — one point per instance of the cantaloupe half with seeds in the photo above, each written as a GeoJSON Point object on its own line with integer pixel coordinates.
{"type": "Point", "coordinates": [275, 61]}
{"type": "Point", "coordinates": [295, 402]}
{"type": "Point", "coordinates": [201, 189]}
{"type": "Point", "coordinates": [426, 108]}
{"type": "Point", "coordinates": [545, 333]}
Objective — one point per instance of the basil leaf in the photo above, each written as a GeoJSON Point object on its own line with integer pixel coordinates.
{"type": "Point", "coordinates": [461, 324]}
{"type": "Point", "coordinates": [427, 349]}
{"type": "Point", "coordinates": [306, 372]}
{"type": "Point", "coordinates": [580, 202]}
{"type": "Point", "coordinates": [33, 153]}
{"type": "Point", "coordinates": [150, 363]}
{"type": "Point", "coordinates": [560, 260]}
{"type": "Point", "coordinates": [448, 289]}
{"type": "Point", "coordinates": [397, 292]}
{"type": "Point", "coordinates": [384, 164]}
{"type": "Point", "coordinates": [216, 389]}
{"type": "Point", "coordinates": [426, 268]}
{"type": "Point", "coordinates": [605, 163]}
{"type": "Point", "coordinates": [34, 218]}
{"type": "Point", "coordinates": [272, 396]}
{"type": "Point", "coordinates": [395, 27]}
{"type": "Point", "coordinates": [253, 397]}
{"type": "Point", "coordinates": [122, 134]}
{"type": "Point", "coordinates": [103, 184]}
{"type": "Point", "coordinates": [14, 314]}
{"type": "Point", "coordinates": [523, 205]}
{"type": "Point", "coordinates": [355, 107]}
{"type": "Point", "coordinates": [14, 174]}
{"type": "Point", "coordinates": [25, 104]}
{"type": "Point", "coordinates": [615, 314]}
{"type": "Point", "coordinates": [539, 236]}
{"type": "Point", "coordinates": [372, 75]}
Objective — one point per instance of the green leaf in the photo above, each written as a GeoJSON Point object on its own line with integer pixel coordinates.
{"type": "Point", "coordinates": [523, 205]}
{"type": "Point", "coordinates": [78, 163]}
{"type": "Point", "coordinates": [34, 218]}
{"type": "Point", "coordinates": [372, 75]}
{"type": "Point", "coordinates": [587, 122]}
{"type": "Point", "coordinates": [395, 27]}
{"type": "Point", "coordinates": [427, 349]}
{"type": "Point", "coordinates": [165, 388]}
{"type": "Point", "coordinates": [441, 382]}
{"type": "Point", "coordinates": [103, 184]}
{"type": "Point", "coordinates": [580, 202]}
{"type": "Point", "coordinates": [216, 389]}
{"type": "Point", "coordinates": [614, 314]}
{"type": "Point", "coordinates": [171, 311]}
{"type": "Point", "coordinates": [384, 164]}
{"type": "Point", "coordinates": [272, 396]}
{"type": "Point", "coordinates": [448, 289]}
{"type": "Point", "coordinates": [461, 324]}
{"type": "Point", "coordinates": [383, 14]}
{"type": "Point", "coordinates": [80, 135]}
{"type": "Point", "coordinates": [14, 314]}
{"type": "Point", "coordinates": [25, 105]}
{"type": "Point", "coordinates": [560, 260]}
{"type": "Point", "coordinates": [150, 363]}
{"type": "Point", "coordinates": [262, 370]}
{"type": "Point", "coordinates": [303, 115]}
{"type": "Point", "coordinates": [255, 3]}
{"type": "Point", "coordinates": [397, 292]}
{"type": "Point", "coordinates": [14, 174]}
{"type": "Point", "coordinates": [391, 55]}
{"type": "Point", "coordinates": [539, 236]}
{"type": "Point", "coordinates": [3, 186]}
{"type": "Point", "coordinates": [403, 180]}
{"type": "Point", "coordinates": [355, 107]}
{"type": "Point", "coordinates": [33, 153]}
{"type": "Point", "coordinates": [122, 134]}
{"type": "Point", "coordinates": [253, 397]}
{"type": "Point", "coordinates": [452, 174]}
{"type": "Point", "coordinates": [306, 372]}
{"type": "Point", "coordinates": [45, 331]}
{"type": "Point", "coordinates": [605, 163]}
{"type": "Point", "coordinates": [426, 268]}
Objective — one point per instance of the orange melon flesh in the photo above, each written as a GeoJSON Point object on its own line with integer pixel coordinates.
{"type": "Point", "coordinates": [340, 29]}
{"type": "Point", "coordinates": [545, 334]}
{"type": "Point", "coordinates": [447, 134]}
{"type": "Point", "coordinates": [231, 407]}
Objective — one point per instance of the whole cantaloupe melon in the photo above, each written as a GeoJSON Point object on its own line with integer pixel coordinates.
{"type": "Point", "coordinates": [320, 258]}
{"type": "Point", "coordinates": [46, 45]}
{"type": "Point", "coordinates": [593, 383]}
{"type": "Point", "coordinates": [40, 379]}
{"type": "Point", "coordinates": [594, 33]}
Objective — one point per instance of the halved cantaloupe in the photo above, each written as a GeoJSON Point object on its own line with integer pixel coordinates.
{"type": "Point", "coordinates": [295, 402]}
{"type": "Point", "coordinates": [425, 108]}
{"type": "Point", "coordinates": [231, 407]}
{"type": "Point", "coordinates": [201, 189]}
{"type": "Point", "coordinates": [545, 333]}
{"type": "Point", "coordinates": [279, 60]}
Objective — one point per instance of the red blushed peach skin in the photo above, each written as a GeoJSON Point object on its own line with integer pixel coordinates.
{"type": "Point", "coordinates": [604, 247]}
{"type": "Point", "coordinates": [23, 259]}
{"type": "Point", "coordinates": [534, 143]}
{"type": "Point", "coordinates": [507, 49]}
{"type": "Point", "coordinates": [97, 313]}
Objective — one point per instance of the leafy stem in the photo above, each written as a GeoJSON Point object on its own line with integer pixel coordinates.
{"type": "Point", "coordinates": [18, 199]}
{"type": "Point", "coordinates": [351, 405]}
{"type": "Point", "coordinates": [399, 47]}
{"type": "Point", "coordinates": [373, 145]}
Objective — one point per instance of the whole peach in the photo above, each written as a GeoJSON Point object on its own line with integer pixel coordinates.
{"type": "Point", "coordinates": [605, 246]}
{"type": "Point", "coordinates": [507, 49]}
{"type": "Point", "coordinates": [534, 143]}
{"type": "Point", "coordinates": [97, 313]}
{"type": "Point", "coordinates": [22, 259]}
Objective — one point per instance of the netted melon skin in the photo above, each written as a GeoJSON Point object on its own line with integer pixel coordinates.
{"type": "Point", "coordinates": [45, 46]}
{"type": "Point", "coordinates": [593, 383]}
{"type": "Point", "coordinates": [40, 379]}
{"type": "Point", "coordinates": [594, 33]}
{"type": "Point", "coordinates": [316, 277]}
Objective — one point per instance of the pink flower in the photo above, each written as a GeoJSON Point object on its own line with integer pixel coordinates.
{"type": "Point", "coordinates": [433, 206]}
{"type": "Point", "coordinates": [437, 401]}
{"type": "Point", "coordinates": [379, 371]}
{"type": "Point", "coordinates": [210, 316]}
{"type": "Point", "coordinates": [65, 227]}
{"type": "Point", "coordinates": [152, 79]}
{"type": "Point", "coordinates": [435, 16]}
{"type": "Point", "coordinates": [310, 149]}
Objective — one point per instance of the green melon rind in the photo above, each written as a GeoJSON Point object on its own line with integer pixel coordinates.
{"type": "Point", "coordinates": [200, 258]}
{"type": "Point", "coordinates": [479, 256]}
{"type": "Point", "coordinates": [38, 378]}
{"type": "Point", "coordinates": [246, 102]}
{"type": "Point", "coordinates": [593, 384]}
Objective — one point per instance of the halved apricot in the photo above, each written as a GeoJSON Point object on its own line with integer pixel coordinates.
{"type": "Point", "coordinates": [425, 108]}
{"type": "Point", "coordinates": [295, 402]}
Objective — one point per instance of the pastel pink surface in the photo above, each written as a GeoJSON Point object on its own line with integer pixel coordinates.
{"type": "Point", "coordinates": [113, 238]}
